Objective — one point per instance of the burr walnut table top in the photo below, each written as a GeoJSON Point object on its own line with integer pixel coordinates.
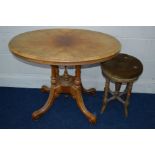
{"type": "Point", "coordinates": [65, 46]}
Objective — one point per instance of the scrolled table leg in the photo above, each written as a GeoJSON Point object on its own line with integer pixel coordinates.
{"type": "Point", "coordinates": [91, 117]}
{"type": "Point", "coordinates": [45, 89]}
{"type": "Point", "coordinates": [61, 84]}
{"type": "Point", "coordinates": [77, 93]}
{"type": "Point", "coordinates": [90, 91]}
{"type": "Point", "coordinates": [52, 95]}
{"type": "Point", "coordinates": [38, 113]}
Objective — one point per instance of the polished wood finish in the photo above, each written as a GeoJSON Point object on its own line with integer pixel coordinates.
{"type": "Point", "coordinates": [106, 91]}
{"type": "Point", "coordinates": [65, 84]}
{"type": "Point", "coordinates": [65, 46]}
{"type": "Point", "coordinates": [91, 91]}
{"type": "Point", "coordinates": [123, 69]}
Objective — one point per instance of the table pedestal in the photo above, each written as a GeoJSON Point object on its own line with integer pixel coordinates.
{"type": "Point", "coordinates": [65, 84]}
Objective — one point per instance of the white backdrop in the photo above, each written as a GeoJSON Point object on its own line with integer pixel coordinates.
{"type": "Point", "coordinates": [137, 41]}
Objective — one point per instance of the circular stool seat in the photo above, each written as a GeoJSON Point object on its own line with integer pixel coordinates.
{"type": "Point", "coordinates": [122, 68]}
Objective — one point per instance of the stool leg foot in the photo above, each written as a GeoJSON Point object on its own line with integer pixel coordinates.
{"type": "Point", "coordinates": [103, 108]}
{"type": "Point", "coordinates": [126, 111]}
{"type": "Point", "coordinates": [129, 89]}
{"type": "Point", "coordinates": [106, 91]}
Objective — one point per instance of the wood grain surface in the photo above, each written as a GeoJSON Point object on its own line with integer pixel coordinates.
{"type": "Point", "coordinates": [65, 46]}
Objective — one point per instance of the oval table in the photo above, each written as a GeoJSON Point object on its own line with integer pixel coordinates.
{"type": "Point", "coordinates": [65, 47]}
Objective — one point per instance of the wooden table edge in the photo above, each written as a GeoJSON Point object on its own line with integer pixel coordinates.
{"type": "Point", "coordinates": [63, 63]}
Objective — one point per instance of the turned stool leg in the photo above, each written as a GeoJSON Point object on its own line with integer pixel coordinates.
{"type": "Point", "coordinates": [129, 89]}
{"type": "Point", "coordinates": [106, 91]}
{"type": "Point", "coordinates": [117, 89]}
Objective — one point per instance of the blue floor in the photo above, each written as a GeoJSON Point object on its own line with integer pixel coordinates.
{"type": "Point", "coordinates": [17, 105]}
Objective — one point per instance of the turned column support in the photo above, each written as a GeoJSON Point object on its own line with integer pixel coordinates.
{"type": "Point", "coordinates": [77, 80]}
{"type": "Point", "coordinates": [65, 84]}
{"type": "Point", "coordinates": [54, 75]}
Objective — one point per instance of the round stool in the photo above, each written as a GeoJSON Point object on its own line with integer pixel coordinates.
{"type": "Point", "coordinates": [123, 69]}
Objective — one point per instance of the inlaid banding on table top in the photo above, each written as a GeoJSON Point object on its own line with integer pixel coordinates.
{"type": "Point", "coordinates": [65, 46]}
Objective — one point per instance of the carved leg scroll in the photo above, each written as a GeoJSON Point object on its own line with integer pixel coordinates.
{"type": "Point", "coordinates": [65, 84]}
{"type": "Point", "coordinates": [45, 89]}
{"type": "Point", "coordinates": [81, 105]}
{"type": "Point", "coordinates": [91, 91]}
{"type": "Point", "coordinates": [38, 113]}
{"type": "Point", "coordinates": [78, 96]}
